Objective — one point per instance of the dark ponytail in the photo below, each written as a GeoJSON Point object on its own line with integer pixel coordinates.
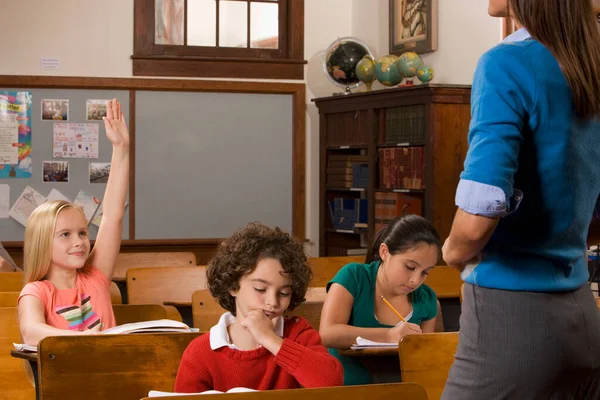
{"type": "Point", "coordinates": [402, 234]}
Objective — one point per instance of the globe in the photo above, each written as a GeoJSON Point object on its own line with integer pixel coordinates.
{"type": "Point", "coordinates": [408, 64]}
{"type": "Point", "coordinates": [386, 72]}
{"type": "Point", "coordinates": [365, 70]}
{"type": "Point", "coordinates": [425, 73]}
{"type": "Point", "coordinates": [341, 59]}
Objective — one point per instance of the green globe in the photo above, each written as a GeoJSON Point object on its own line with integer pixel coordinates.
{"type": "Point", "coordinates": [408, 63]}
{"type": "Point", "coordinates": [386, 71]}
{"type": "Point", "coordinates": [341, 59]}
{"type": "Point", "coordinates": [365, 70]}
{"type": "Point", "coordinates": [425, 73]}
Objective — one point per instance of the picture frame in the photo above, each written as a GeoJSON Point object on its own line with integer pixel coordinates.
{"type": "Point", "coordinates": [413, 26]}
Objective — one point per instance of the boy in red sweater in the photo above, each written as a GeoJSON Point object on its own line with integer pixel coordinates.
{"type": "Point", "coordinates": [257, 274]}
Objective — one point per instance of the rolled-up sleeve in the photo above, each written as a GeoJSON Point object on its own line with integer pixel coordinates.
{"type": "Point", "coordinates": [504, 89]}
{"type": "Point", "coordinates": [486, 200]}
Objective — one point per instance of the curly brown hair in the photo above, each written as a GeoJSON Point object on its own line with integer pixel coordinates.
{"type": "Point", "coordinates": [238, 255]}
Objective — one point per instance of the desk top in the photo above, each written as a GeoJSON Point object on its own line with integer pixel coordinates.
{"type": "Point", "coordinates": [373, 352]}
{"type": "Point", "coordinates": [313, 295]}
{"type": "Point", "coordinates": [25, 355]}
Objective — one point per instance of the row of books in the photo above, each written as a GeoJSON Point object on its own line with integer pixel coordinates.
{"type": "Point", "coordinates": [405, 124]}
{"type": "Point", "coordinates": [391, 205]}
{"type": "Point", "coordinates": [346, 129]}
{"type": "Point", "coordinates": [402, 168]}
{"type": "Point", "coordinates": [347, 171]}
{"type": "Point", "coordinates": [351, 213]}
{"type": "Point", "coordinates": [345, 213]}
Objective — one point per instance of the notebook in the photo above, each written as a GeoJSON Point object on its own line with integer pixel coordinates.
{"type": "Point", "coordinates": [362, 343]}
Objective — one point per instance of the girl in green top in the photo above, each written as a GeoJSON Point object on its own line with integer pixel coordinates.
{"type": "Point", "coordinates": [400, 260]}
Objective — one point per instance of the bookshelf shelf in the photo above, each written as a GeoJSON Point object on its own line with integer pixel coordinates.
{"type": "Point", "coordinates": [403, 137]}
{"type": "Point", "coordinates": [352, 232]}
{"type": "Point", "coordinates": [348, 147]}
{"type": "Point", "coordinates": [347, 189]}
{"type": "Point", "coordinates": [405, 144]}
{"type": "Point", "coordinates": [382, 190]}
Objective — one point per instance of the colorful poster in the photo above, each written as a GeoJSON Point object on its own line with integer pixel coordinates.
{"type": "Point", "coordinates": [75, 140]}
{"type": "Point", "coordinates": [15, 135]}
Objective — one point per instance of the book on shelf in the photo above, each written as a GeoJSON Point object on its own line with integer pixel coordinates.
{"type": "Point", "coordinates": [391, 205]}
{"type": "Point", "coordinates": [402, 167]}
{"type": "Point", "coordinates": [345, 212]}
{"type": "Point", "coordinates": [159, 325]}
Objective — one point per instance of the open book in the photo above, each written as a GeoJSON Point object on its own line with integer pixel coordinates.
{"type": "Point", "coordinates": [362, 343]}
{"type": "Point", "coordinates": [156, 393]}
{"type": "Point", "coordinates": [159, 325]}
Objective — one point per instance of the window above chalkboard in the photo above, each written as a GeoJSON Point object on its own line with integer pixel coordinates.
{"type": "Point", "coordinates": [219, 38]}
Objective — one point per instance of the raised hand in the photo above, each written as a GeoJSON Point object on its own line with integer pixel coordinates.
{"type": "Point", "coordinates": [114, 122]}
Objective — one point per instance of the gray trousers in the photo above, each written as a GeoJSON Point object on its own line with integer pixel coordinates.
{"type": "Point", "coordinates": [526, 345]}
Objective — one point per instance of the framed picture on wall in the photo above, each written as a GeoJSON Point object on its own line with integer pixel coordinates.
{"type": "Point", "coordinates": [413, 26]}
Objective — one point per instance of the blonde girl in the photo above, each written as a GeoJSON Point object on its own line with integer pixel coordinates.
{"type": "Point", "coordinates": [66, 286]}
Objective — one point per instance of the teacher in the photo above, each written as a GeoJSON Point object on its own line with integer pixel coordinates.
{"type": "Point", "coordinates": [529, 327]}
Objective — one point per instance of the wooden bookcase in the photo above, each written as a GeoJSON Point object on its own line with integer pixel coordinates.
{"type": "Point", "coordinates": [358, 124]}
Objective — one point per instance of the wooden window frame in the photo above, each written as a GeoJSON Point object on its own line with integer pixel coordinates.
{"type": "Point", "coordinates": [150, 59]}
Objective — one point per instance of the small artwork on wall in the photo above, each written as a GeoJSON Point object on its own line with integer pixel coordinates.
{"type": "Point", "coordinates": [413, 26]}
{"type": "Point", "coordinates": [95, 109]}
{"type": "Point", "coordinates": [55, 171]}
{"type": "Point", "coordinates": [55, 110]}
{"type": "Point", "coordinates": [99, 172]}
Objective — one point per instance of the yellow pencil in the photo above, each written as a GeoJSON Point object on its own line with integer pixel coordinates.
{"type": "Point", "coordinates": [393, 309]}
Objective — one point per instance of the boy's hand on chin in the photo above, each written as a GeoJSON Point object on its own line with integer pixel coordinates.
{"type": "Point", "coordinates": [259, 325]}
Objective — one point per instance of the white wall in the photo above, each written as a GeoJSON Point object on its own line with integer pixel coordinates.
{"type": "Point", "coordinates": [96, 39]}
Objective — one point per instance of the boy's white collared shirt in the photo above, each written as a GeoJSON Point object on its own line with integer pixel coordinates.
{"type": "Point", "coordinates": [219, 337]}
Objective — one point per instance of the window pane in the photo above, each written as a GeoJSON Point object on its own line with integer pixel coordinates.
{"type": "Point", "coordinates": [202, 22]}
{"type": "Point", "coordinates": [168, 28]}
{"type": "Point", "coordinates": [264, 25]}
{"type": "Point", "coordinates": [233, 23]}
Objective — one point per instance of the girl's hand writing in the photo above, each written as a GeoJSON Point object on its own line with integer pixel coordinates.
{"type": "Point", "coordinates": [395, 334]}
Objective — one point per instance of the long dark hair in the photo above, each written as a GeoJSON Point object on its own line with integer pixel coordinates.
{"type": "Point", "coordinates": [569, 30]}
{"type": "Point", "coordinates": [402, 234]}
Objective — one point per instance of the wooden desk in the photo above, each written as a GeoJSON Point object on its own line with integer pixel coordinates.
{"type": "Point", "coordinates": [313, 295]}
{"type": "Point", "coordinates": [33, 363]}
{"type": "Point", "coordinates": [383, 363]}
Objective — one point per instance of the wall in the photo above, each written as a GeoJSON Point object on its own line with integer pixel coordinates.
{"type": "Point", "coordinates": [465, 31]}
{"type": "Point", "coordinates": [96, 39]}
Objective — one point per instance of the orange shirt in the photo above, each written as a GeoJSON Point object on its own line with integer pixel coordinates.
{"type": "Point", "coordinates": [77, 309]}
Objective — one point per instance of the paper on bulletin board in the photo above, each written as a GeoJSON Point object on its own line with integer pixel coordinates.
{"type": "Point", "coordinates": [15, 134]}
{"type": "Point", "coordinates": [75, 140]}
{"type": "Point", "coordinates": [88, 202]}
{"type": "Point", "coordinates": [4, 200]}
{"type": "Point", "coordinates": [25, 204]}
{"type": "Point", "coordinates": [56, 195]}
{"type": "Point", "coordinates": [98, 216]}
